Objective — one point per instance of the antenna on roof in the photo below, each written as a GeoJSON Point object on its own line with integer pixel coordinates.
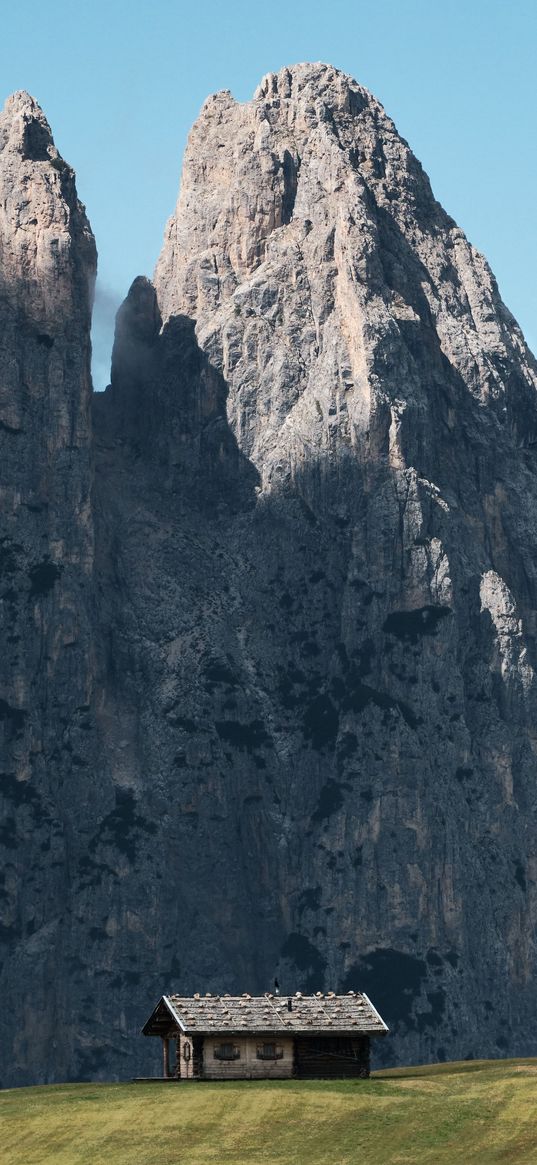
{"type": "Point", "coordinates": [276, 987]}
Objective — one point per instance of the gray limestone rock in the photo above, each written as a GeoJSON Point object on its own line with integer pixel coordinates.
{"type": "Point", "coordinates": [308, 641]}
{"type": "Point", "coordinates": [47, 265]}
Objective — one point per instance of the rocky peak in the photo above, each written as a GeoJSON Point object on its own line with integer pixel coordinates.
{"type": "Point", "coordinates": [289, 708]}
{"type": "Point", "coordinates": [138, 325]}
{"type": "Point", "coordinates": [25, 129]}
{"type": "Point", "coordinates": [48, 262]}
{"type": "Point", "coordinates": [303, 218]}
{"type": "Point", "coordinates": [47, 246]}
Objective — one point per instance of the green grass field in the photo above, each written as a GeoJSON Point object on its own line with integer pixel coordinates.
{"type": "Point", "coordinates": [480, 1112]}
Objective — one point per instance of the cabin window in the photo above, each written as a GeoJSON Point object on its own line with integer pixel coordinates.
{"type": "Point", "coordinates": [269, 1052]}
{"type": "Point", "coordinates": [227, 1052]}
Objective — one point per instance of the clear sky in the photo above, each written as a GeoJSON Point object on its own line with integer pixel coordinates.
{"type": "Point", "coordinates": [121, 81]}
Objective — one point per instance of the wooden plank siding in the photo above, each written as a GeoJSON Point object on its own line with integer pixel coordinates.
{"type": "Point", "coordinates": [247, 1066]}
{"type": "Point", "coordinates": [305, 1057]}
{"type": "Point", "coordinates": [318, 1058]}
{"type": "Point", "coordinates": [184, 1058]}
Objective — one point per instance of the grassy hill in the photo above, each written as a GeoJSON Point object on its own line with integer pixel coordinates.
{"type": "Point", "coordinates": [478, 1113]}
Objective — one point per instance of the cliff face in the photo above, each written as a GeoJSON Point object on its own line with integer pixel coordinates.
{"type": "Point", "coordinates": [309, 642]}
{"type": "Point", "coordinates": [47, 263]}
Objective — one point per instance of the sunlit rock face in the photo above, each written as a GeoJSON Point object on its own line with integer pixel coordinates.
{"type": "Point", "coordinates": [309, 637]}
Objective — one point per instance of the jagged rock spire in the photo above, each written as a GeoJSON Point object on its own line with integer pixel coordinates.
{"type": "Point", "coordinates": [307, 243]}
{"type": "Point", "coordinates": [47, 269]}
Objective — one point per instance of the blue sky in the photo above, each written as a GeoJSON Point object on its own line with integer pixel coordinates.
{"type": "Point", "coordinates": [121, 83]}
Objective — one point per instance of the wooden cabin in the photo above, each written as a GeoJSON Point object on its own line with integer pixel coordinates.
{"type": "Point", "coordinates": [245, 1037]}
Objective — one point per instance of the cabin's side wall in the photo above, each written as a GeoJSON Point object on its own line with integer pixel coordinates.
{"type": "Point", "coordinates": [247, 1066]}
{"type": "Point", "coordinates": [319, 1057]}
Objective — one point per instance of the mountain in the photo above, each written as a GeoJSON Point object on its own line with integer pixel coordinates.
{"type": "Point", "coordinates": [268, 693]}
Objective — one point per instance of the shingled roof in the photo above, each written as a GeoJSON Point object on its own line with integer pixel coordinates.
{"type": "Point", "coordinates": [318, 1013]}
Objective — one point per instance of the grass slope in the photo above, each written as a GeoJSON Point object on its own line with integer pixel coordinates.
{"type": "Point", "coordinates": [478, 1113]}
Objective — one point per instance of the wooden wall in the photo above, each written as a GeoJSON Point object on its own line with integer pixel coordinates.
{"type": "Point", "coordinates": [248, 1066]}
{"type": "Point", "coordinates": [319, 1057]}
{"type": "Point", "coordinates": [184, 1062]}
{"type": "Point", "coordinates": [305, 1057]}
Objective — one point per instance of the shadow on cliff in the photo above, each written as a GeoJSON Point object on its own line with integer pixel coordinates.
{"type": "Point", "coordinates": [166, 409]}
{"type": "Point", "coordinates": [324, 579]}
